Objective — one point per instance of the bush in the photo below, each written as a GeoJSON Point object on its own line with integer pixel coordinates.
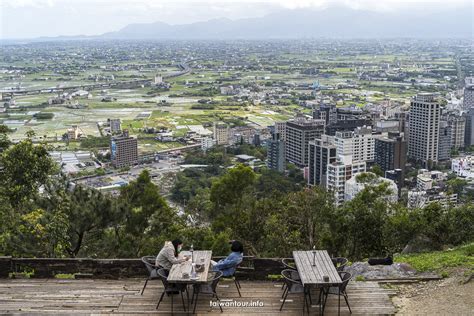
{"type": "Point", "coordinates": [44, 116]}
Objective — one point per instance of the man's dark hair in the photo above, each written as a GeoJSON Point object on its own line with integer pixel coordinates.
{"type": "Point", "coordinates": [237, 246]}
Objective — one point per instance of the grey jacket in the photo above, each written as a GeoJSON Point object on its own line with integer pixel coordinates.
{"type": "Point", "coordinates": [166, 258]}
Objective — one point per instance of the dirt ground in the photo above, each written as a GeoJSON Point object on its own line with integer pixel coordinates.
{"type": "Point", "coordinates": [449, 296]}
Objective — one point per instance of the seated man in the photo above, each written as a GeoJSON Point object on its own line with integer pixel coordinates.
{"type": "Point", "coordinates": [230, 263]}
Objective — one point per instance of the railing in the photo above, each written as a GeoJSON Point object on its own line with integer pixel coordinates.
{"type": "Point", "coordinates": [251, 268]}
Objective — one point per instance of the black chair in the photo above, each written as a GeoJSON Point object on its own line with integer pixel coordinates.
{"type": "Point", "coordinates": [234, 277]}
{"type": "Point", "coordinates": [289, 264]}
{"type": "Point", "coordinates": [152, 269]}
{"type": "Point", "coordinates": [293, 287]}
{"type": "Point", "coordinates": [170, 288]}
{"type": "Point", "coordinates": [341, 289]}
{"type": "Point", "coordinates": [208, 288]}
{"type": "Point", "coordinates": [340, 263]}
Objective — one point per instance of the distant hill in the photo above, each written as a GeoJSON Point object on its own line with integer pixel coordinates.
{"type": "Point", "coordinates": [331, 22]}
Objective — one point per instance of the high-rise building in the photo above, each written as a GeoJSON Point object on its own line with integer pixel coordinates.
{"type": "Point", "coordinates": [457, 122]}
{"type": "Point", "coordinates": [424, 120]}
{"type": "Point", "coordinates": [221, 133]}
{"type": "Point", "coordinates": [341, 119]}
{"type": "Point", "coordinates": [326, 112]}
{"type": "Point", "coordinates": [444, 146]}
{"type": "Point", "coordinates": [359, 143]}
{"type": "Point", "coordinates": [339, 172]}
{"type": "Point", "coordinates": [115, 126]}
{"type": "Point", "coordinates": [398, 177]}
{"type": "Point", "coordinates": [276, 153]}
{"type": "Point", "coordinates": [299, 132]}
{"type": "Point", "coordinates": [391, 152]}
{"type": "Point", "coordinates": [280, 128]}
{"type": "Point", "coordinates": [322, 152]}
{"type": "Point", "coordinates": [123, 150]}
{"type": "Point", "coordinates": [468, 102]}
{"type": "Point", "coordinates": [469, 130]}
{"type": "Point", "coordinates": [207, 143]}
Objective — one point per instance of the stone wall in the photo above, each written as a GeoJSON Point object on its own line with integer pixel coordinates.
{"type": "Point", "coordinates": [251, 268]}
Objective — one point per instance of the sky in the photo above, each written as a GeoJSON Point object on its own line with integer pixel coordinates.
{"type": "Point", "coordinates": [36, 18]}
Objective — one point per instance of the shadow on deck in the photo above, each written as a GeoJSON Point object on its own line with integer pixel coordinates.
{"type": "Point", "coordinates": [97, 296]}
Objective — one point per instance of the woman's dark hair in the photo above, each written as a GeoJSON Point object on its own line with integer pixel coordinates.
{"type": "Point", "coordinates": [176, 243]}
{"type": "Point", "coordinates": [237, 246]}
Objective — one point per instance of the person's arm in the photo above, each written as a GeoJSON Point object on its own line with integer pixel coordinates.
{"type": "Point", "coordinates": [228, 262]}
{"type": "Point", "coordinates": [170, 256]}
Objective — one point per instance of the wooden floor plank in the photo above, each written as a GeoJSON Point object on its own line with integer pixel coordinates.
{"type": "Point", "coordinates": [122, 297]}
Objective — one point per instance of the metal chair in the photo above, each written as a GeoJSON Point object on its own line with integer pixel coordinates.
{"type": "Point", "coordinates": [236, 281]}
{"type": "Point", "coordinates": [293, 287]}
{"type": "Point", "coordinates": [339, 263]}
{"type": "Point", "coordinates": [289, 264]}
{"type": "Point", "coordinates": [341, 289]}
{"type": "Point", "coordinates": [208, 288]}
{"type": "Point", "coordinates": [170, 288]}
{"type": "Point", "coordinates": [152, 269]}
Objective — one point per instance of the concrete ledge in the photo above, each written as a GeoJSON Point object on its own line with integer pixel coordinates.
{"type": "Point", "coordinates": [251, 269]}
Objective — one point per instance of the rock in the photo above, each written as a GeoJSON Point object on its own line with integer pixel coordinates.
{"type": "Point", "coordinates": [396, 270]}
{"type": "Point", "coordinates": [419, 244]}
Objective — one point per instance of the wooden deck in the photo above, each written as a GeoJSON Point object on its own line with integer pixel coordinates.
{"type": "Point", "coordinates": [56, 296]}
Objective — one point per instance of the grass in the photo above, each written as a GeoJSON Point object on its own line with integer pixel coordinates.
{"type": "Point", "coordinates": [439, 261]}
{"type": "Point", "coordinates": [64, 276]}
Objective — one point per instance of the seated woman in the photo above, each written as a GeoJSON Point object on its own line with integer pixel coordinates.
{"type": "Point", "coordinates": [169, 254]}
{"type": "Point", "coordinates": [230, 263]}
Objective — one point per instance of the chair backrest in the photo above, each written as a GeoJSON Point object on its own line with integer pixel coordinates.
{"type": "Point", "coordinates": [289, 263]}
{"type": "Point", "coordinates": [213, 279]}
{"type": "Point", "coordinates": [163, 276]}
{"type": "Point", "coordinates": [345, 277]}
{"type": "Point", "coordinates": [339, 263]}
{"type": "Point", "coordinates": [288, 278]}
{"type": "Point", "coordinates": [149, 262]}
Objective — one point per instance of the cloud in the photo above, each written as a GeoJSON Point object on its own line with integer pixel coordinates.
{"type": "Point", "coordinates": [26, 3]}
{"type": "Point", "coordinates": [33, 18]}
{"type": "Point", "coordinates": [372, 5]}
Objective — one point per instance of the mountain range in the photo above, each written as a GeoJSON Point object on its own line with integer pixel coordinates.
{"type": "Point", "coordinates": [333, 22]}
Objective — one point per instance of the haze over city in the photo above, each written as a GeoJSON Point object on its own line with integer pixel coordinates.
{"type": "Point", "coordinates": [50, 18]}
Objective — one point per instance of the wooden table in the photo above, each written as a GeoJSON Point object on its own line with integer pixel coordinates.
{"type": "Point", "coordinates": [200, 257]}
{"type": "Point", "coordinates": [313, 275]}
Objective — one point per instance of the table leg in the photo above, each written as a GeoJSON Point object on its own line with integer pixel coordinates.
{"type": "Point", "coordinates": [339, 301]}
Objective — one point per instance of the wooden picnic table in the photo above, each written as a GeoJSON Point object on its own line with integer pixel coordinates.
{"type": "Point", "coordinates": [200, 257]}
{"type": "Point", "coordinates": [313, 266]}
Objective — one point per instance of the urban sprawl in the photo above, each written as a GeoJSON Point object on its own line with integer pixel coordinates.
{"type": "Point", "coordinates": [347, 114]}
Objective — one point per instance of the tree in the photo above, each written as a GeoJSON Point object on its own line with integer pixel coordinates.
{"type": "Point", "coordinates": [37, 233]}
{"type": "Point", "coordinates": [87, 212]}
{"type": "Point", "coordinates": [229, 188]}
{"type": "Point", "coordinates": [270, 182]}
{"type": "Point", "coordinates": [377, 170]}
{"type": "Point", "coordinates": [25, 168]}
{"type": "Point", "coordinates": [148, 220]}
{"type": "Point", "coordinates": [456, 185]}
{"type": "Point", "coordinates": [366, 217]}
{"type": "Point", "coordinates": [4, 129]}
{"type": "Point", "coordinates": [299, 220]}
